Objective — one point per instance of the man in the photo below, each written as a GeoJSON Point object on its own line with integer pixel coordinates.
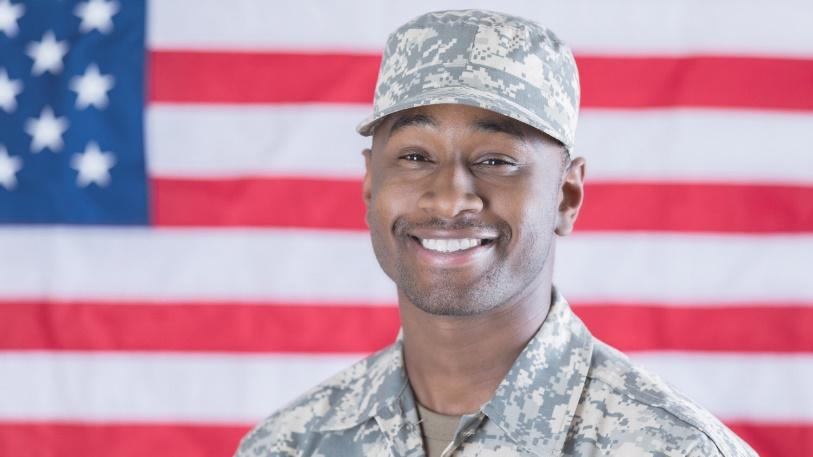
{"type": "Point", "coordinates": [468, 182]}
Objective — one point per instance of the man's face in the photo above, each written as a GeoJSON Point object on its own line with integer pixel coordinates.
{"type": "Point", "coordinates": [462, 204]}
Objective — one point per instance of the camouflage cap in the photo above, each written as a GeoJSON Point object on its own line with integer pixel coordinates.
{"type": "Point", "coordinates": [490, 60]}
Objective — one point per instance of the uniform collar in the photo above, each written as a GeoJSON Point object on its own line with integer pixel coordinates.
{"type": "Point", "coordinates": [373, 387]}
{"type": "Point", "coordinates": [377, 388]}
{"type": "Point", "coordinates": [534, 404]}
{"type": "Point", "coordinates": [536, 401]}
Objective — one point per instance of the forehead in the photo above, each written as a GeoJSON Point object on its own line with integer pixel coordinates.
{"type": "Point", "coordinates": [444, 116]}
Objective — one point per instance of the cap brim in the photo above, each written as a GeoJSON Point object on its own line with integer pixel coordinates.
{"type": "Point", "coordinates": [367, 126]}
{"type": "Point", "coordinates": [465, 95]}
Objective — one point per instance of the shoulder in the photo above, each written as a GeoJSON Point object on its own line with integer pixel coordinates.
{"type": "Point", "coordinates": [639, 410]}
{"type": "Point", "coordinates": [333, 405]}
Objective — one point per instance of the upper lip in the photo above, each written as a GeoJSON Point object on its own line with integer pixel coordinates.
{"type": "Point", "coordinates": [452, 235]}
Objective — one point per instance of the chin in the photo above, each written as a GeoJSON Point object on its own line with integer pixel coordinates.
{"type": "Point", "coordinates": [447, 300]}
{"type": "Point", "coordinates": [449, 310]}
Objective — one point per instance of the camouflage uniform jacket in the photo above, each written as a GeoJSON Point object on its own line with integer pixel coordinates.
{"type": "Point", "coordinates": [567, 394]}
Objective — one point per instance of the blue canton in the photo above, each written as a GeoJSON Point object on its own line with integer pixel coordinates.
{"type": "Point", "coordinates": [71, 112]}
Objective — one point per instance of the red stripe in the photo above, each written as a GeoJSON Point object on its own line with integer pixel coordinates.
{"type": "Point", "coordinates": [776, 440]}
{"type": "Point", "coordinates": [246, 77]}
{"type": "Point", "coordinates": [703, 81]}
{"type": "Point", "coordinates": [69, 439]}
{"type": "Point", "coordinates": [65, 439]}
{"type": "Point", "coordinates": [240, 327]}
{"type": "Point", "coordinates": [751, 328]}
{"type": "Point", "coordinates": [246, 327]}
{"type": "Point", "coordinates": [690, 207]}
{"type": "Point", "coordinates": [285, 202]}
{"type": "Point", "coordinates": [607, 82]}
{"type": "Point", "coordinates": [337, 204]}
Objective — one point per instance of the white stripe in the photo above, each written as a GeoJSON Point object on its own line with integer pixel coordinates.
{"type": "Point", "coordinates": [156, 387]}
{"type": "Point", "coordinates": [278, 265]}
{"type": "Point", "coordinates": [627, 26]}
{"type": "Point", "coordinates": [758, 387]}
{"type": "Point", "coordinates": [245, 388]}
{"type": "Point", "coordinates": [334, 266]}
{"type": "Point", "coordinates": [669, 268]}
{"type": "Point", "coordinates": [304, 140]}
{"type": "Point", "coordinates": [225, 141]}
{"type": "Point", "coordinates": [696, 145]}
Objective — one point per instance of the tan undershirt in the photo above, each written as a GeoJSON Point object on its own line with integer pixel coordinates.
{"type": "Point", "coordinates": [437, 430]}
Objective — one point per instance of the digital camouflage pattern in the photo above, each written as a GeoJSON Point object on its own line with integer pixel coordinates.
{"type": "Point", "coordinates": [567, 394]}
{"type": "Point", "coordinates": [502, 63]}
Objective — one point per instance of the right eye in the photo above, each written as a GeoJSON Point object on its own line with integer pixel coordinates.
{"type": "Point", "coordinates": [415, 157]}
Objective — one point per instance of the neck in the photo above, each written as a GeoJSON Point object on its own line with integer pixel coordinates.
{"type": "Point", "coordinates": [455, 364]}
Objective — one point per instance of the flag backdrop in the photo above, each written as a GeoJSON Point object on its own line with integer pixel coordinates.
{"type": "Point", "coordinates": [182, 247]}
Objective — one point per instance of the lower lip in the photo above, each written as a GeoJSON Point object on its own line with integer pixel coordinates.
{"type": "Point", "coordinates": [450, 259]}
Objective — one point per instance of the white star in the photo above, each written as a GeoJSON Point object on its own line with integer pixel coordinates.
{"type": "Point", "coordinates": [46, 132]}
{"type": "Point", "coordinates": [91, 88]}
{"type": "Point", "coordinates": [96, 14]}
{"type": "Point", "coordinates": [47, 54]}
{"type": "Point", "coordinates": [9, 89]}
{"type": "Point", "coordinates": [93, 165]}
{"type": "Point", "coordinates": [9, 166]}
{"type": "Point", "coordinates": [8, 17]}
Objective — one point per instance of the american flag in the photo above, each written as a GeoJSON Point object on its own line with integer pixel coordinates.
{"type": "Point", "coordinates": [182, 240]}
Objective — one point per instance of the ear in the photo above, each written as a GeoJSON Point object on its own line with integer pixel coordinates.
{"type": "Point", "coordinates": [571, 196]}
{"type": "Point", "coordinates": [367, 183]}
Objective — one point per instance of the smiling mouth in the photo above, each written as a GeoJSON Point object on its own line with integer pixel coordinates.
{"type": "Point", "coordinates": [449, 245]}
{"type": "Point", "coordinates": [455, 251]}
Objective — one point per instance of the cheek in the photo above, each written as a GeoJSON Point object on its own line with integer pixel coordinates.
{"type": "Point", "coordinates": [387, 204]}
{"type": "Point", "coordinates": [389, 200]}
{"type": "Point", "coordinates": [381, 240]}
{"type": "Point", "coordinates": [531, 214]}
{"type": "Point", "coordinates": [379, 217]}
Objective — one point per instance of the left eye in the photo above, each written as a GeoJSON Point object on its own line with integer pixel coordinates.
{"type": "Point", "coordinates": [495, 162]}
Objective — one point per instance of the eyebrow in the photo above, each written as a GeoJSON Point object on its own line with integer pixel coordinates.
{"type": "Point", "coordinates": [482, 125]}
{"type": "Point", "coordinates": [411, 119]}
{"type": "Point", "coordinates": [499, 126]}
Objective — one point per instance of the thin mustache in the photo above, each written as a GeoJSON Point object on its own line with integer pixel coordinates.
{"type": "Point", "coordinates": [403, 227]}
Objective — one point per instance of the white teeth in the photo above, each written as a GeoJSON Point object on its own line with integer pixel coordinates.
{"type": "Point", "coordinates": [450, 245]}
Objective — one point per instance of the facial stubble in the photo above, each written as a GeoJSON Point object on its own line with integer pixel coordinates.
{"type": "Point", "coordinates": [447, 294]}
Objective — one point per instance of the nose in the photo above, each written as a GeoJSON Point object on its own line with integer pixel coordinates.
{"type": "Point", "coordinates": [451, 192]}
